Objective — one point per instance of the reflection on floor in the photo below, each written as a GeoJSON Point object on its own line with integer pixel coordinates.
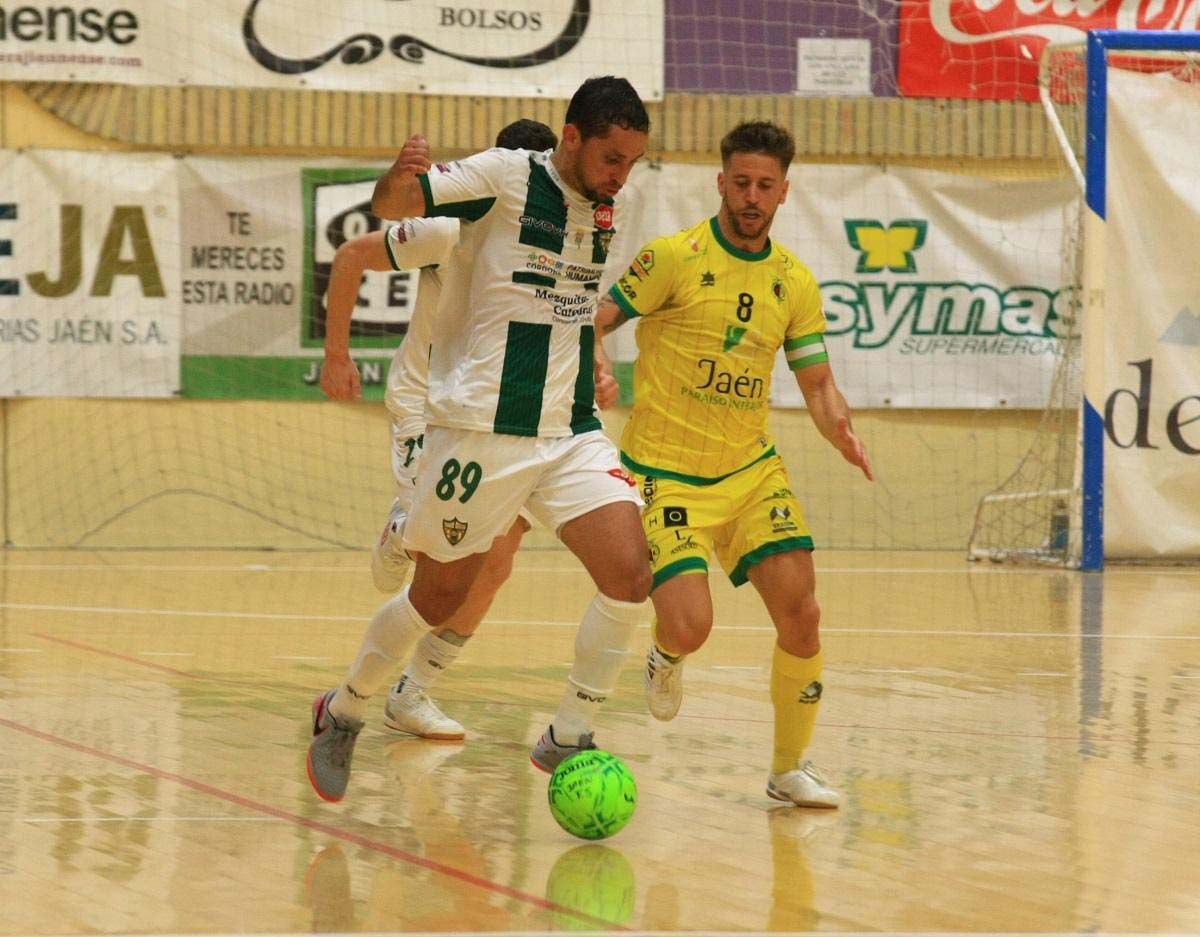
{"type": "Point", "coordinates": [1017, 751]}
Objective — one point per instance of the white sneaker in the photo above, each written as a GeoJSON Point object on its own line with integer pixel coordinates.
{"type": "Point", "coordinates": [409, 709]}
{"type": "Point", "coordinates": [803, 787]}
{"type": "Point", "coordinates": [389, 562]}
{"type": "Point", "coordinates": [664, 685]}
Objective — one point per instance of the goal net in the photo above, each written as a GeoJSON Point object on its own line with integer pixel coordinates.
{"type": "Point", "coordinates": [1050, 509]}
{"type": "Point", "coordinates": [248, 154]}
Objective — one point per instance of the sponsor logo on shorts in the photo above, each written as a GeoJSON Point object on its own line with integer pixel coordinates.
{"type": "Point", "coordinates": [781, 519]}
{"type": "Point", "coordinates": [649, 483]}
{"type": "Point", "coordinates": [655, 553]}
{"type": "Point", "coordinates": [454, 530]}
{"type": "Point", "coordinates": [623, 476]}
{"type": "Point", "coordinates": [685, 543]}
{"type": "Point", "coordinates": [781, 493]}
{"type": "Point", "coordinates": [811, 693]}
{"type": "Point", "coordinates": [674, 517]}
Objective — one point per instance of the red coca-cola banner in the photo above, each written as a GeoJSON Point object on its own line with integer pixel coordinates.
{"type": "Point", "coordinates": [990, 48]}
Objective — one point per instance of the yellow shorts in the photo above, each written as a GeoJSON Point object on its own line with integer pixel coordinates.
{"type": "Point", "coordinates": [746, 518]}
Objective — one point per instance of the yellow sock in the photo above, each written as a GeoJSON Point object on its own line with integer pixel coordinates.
{"type": "Point", "coordinates": [796, 695]}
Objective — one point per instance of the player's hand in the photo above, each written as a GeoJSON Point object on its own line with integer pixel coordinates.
{"type": "Point", "coordinates": [608, 391]}
{"type": "Point", "coordinates": [852, 448]}
{"type": "Point", "coordinates": [414, 156]}
{"type": "Point", "coordinates": [339, 378]}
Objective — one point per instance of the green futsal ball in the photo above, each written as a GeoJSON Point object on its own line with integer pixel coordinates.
{"type": "Point", "coordinates": [592, 794]}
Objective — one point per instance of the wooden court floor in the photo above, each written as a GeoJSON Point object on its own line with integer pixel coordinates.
{"type": "Point", "coordinates": [1018, 751]}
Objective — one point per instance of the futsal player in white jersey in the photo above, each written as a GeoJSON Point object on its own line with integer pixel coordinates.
{"type": "Point", "coordinates": [424, 245]}
{"type": "Point", "coordinates": [510, 410]}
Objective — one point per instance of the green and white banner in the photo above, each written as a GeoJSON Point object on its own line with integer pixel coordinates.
{"type": "Point", "coordinates": [256, 250]}
{"type": "Point", "coordinates": [89, 273]}
{"type": "Point", "coordinates": [940, 290]}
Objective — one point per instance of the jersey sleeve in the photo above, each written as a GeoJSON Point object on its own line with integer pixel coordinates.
{"type": "Point", "coordinates": [804, 343]}
{"type": "Point", "coordinates": [420, 242]}
{"type": "Point", "coordinates": [466, 188]}
{"type": "Point", "coordinates": [646, 286]}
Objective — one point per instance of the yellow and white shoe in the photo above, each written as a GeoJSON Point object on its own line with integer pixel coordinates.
{"type": "Point", "coordinates": [803, 787]}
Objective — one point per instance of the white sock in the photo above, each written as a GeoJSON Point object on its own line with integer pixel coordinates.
{"type": "Point", "coordinates": [393, 629]}
{"type": "Point", "coordinates": [433, 654]}
{"type": "Point", "coordinates": [601, 646]}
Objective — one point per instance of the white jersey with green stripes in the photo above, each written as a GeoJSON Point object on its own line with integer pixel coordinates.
{"type": "Point", "coordinates": [514, 339]}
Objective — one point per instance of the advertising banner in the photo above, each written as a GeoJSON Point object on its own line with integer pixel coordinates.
{"type": "Point", "coordinates": [257, 249]}
{"type": "Point", "coordinates": [991, 48]}
{"type": "Point", "coordinates": [487, 47]}
{"type": "Point", "coordinates": [1152, 312]}
{"type": "Point", "coordinates": [939, 290]}
{"type": "Point", "coordinates": [89, 275]}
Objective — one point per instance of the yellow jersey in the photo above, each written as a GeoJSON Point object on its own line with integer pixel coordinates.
{"type": "Point", "coordinates": [711, 320]}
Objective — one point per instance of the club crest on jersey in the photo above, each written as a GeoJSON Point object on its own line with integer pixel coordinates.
{"type": "Point", "coordinates": [454, 530]}
{"type": "Point", "coordinates": [603, 216]}
{"type": "Point", "coordinates": [778, 291]}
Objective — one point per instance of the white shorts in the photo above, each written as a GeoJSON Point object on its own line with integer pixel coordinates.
{"type": "Point", "coordinates": [472, 486]}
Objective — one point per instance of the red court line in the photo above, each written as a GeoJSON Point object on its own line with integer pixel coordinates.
{"type": "Point", "coordinates": [344, 835]}
{"type": "Point", "coordinates": [130, 659]}
{"type": "Point", "coordinates": [119, 656]}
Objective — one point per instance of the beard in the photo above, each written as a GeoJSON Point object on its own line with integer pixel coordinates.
{"type": "Point", "coordinates": [748, 228]}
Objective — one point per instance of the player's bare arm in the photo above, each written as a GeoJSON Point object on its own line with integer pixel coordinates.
{"type": "Point", "coordinates": [831, 414]}
{"type": "Point", "coordinates": [339, 376]}
{"type": "Point", "coordinates": [607, 390]}
{"type": "Point", "coordinates": [398, 193]}
{"type": "Point", "coordinates": [609, 316]}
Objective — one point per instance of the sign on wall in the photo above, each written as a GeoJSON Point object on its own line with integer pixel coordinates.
{"type": "Point", "coordinates": [1152, 307]}
{"type": "Point", "coordinates": [486, 47]}
{"type": "Point", "coordinates": [257, 251]}
{"type": "Point", "coordinates": [88, 275]}
{"type": "Point", "coordinates": [939, 290]}
{"type": "Point", "coordinates": [991, 48]}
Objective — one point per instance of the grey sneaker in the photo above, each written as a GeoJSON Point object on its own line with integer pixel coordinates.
{"type": "Point", "coordinates": [547, 754]}
{"type": "Point", "coordinates": [803, 787]}
{"type": "Point", "coordinates": [409, 709]}
{"type": "Point", "coordinates": [330, 750]}
{"type": "Point", "coordinates": [389, 562]}
{"type": "Point", "coordinates": [664, 685]}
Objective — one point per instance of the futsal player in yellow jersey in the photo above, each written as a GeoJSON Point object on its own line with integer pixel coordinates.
{"type": "Point", "coordinates": [714, 305]}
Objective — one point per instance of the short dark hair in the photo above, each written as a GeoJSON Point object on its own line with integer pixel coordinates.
{"type": "Point", "coordinates": [526, 134]}
{"type": "Point", "coordinates": [601, 102]}
{"type": "Point", "coordinates": [759, 136]}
